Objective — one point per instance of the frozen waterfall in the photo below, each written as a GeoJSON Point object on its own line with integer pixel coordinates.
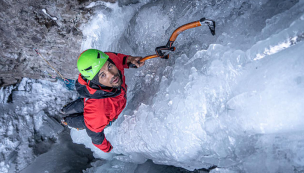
{"type": "Point", "coordinates": [235, 100]}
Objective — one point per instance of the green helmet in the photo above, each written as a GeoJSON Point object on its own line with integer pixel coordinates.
{"type": "Point", "coordinates": [90, 62]}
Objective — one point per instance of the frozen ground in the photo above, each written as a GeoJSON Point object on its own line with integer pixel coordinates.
{"type": "Point", "coordinates": [234, 100]}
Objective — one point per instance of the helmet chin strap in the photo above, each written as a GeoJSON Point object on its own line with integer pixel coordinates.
{"type": "Point", "coordinates": [106, 87]}
{"type": "Point", "coordinates": [95, 80]}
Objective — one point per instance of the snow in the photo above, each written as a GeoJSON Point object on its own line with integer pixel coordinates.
{"type": "Point", "coordinates": [45, 12]}
{"type": "Point", "coordinates": [234, 100]}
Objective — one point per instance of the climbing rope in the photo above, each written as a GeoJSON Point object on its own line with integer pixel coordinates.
{"type": "Point", "coordinates": [48, 74]}
{"type": "Point", "coordinates": [66, 81]}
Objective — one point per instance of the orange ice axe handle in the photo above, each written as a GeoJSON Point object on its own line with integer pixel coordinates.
{"type": "Point", "coordinates": [142, 60]}
{"type": "Point", "coordinates": [210, 23]}
{"type": "Point", "coordinates": [169, 47]}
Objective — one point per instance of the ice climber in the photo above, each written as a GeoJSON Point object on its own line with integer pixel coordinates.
{"type": "Point", "coordinates": [101, 85]}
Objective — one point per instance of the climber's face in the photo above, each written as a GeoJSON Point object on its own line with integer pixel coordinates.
{"type": "Point", "coordinates": [109, 75]}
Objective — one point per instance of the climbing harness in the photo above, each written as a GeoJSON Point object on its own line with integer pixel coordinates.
{"type": "Point", "coordinates": [169, 47]}
{"type": "Point", "coordinates": [69, 83]}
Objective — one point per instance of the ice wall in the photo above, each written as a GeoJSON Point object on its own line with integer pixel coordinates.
{"type": "Point", "coordinates": [234, 100]}
{"type": "Point", "coordinates": [28, 122]}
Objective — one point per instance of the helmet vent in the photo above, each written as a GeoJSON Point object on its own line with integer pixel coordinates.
{"type": "Point", "coordinates": [98, 56]}
{"type": "Point", "coordinates": [89, 68]}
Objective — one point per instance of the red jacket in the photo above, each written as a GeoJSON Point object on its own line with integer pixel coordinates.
{"type": "Point", "coordinates": [103, 104]}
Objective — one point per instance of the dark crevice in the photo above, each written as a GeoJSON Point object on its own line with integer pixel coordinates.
{"type": "Point", "coordinates": [10, 97]}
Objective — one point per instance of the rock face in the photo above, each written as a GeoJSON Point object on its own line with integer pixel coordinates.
{"type": "Point", "coordinates": [52, 27]}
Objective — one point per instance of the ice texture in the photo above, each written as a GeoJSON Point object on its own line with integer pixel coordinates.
{"type": "Point", "coordinates": [234, 100]}
{"type": "Point", "coordinates": [28, 124]}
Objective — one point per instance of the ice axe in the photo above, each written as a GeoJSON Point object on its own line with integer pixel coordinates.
{"type": "Point", "coordinates": [169, 47]}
